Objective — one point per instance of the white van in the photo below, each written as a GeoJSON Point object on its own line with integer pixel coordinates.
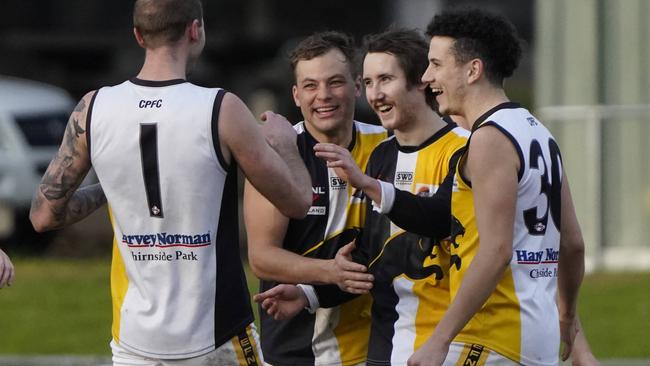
{"type": "Point", "coordinates": [33, 118]}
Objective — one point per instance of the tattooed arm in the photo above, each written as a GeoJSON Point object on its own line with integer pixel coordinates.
{"type": "Point", "coordinates": [57, 202]}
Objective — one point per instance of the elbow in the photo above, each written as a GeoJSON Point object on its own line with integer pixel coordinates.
{"type": "Point", "coordinates": [299, 208]}
{"type": "Point", "coordinates": [257, 266]}
{"type": "Point", "coordinates": [40, 223]}
{"type": "Point", "coordinates": [573, 246]}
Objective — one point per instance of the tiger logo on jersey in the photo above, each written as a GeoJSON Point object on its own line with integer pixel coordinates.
{"type": "Point", "coordinates": [457, 229]}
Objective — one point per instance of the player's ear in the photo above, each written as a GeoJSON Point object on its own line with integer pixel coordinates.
{"type": "Point", "coordinates": [138, 37]}
{"type": "Point", "coordinates": [357, 86]}
{"type": "Point", "coordinates": [475, 70]}
{"type": "Point", "coordinates": [294, 92]}
{"type": "Point", "coordinates": [195, 30]}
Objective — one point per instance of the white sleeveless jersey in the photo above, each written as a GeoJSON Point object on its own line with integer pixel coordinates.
{"type": "Point", "coordinates": [176, 280]}
{"type": "Point", "coordinates": [520, 319]}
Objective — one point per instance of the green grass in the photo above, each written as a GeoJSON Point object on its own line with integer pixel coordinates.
{"type": "Point", "coordinates": [56, 307]}
{"type": "Point", "coordinates": [63, 307]}
{"type": "Point", "coordinates": [615, 312]}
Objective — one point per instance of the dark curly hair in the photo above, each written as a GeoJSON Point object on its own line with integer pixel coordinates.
{"type": "Point", "coordinates": [479, 34]}
{"type": "Point", "coordinates": [410, 48]}
{"type": "Point", "coordinates": [320, 43]}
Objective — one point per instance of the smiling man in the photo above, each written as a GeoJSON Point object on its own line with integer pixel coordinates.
{"type": "Point", "coordinates": [516, 242]}
{"type": "Point", "coordinates": [512, 213]}
{"type": "Point", "coordinates": [411, 288]}
{"type": "Point", "coordinates": [302, 251]}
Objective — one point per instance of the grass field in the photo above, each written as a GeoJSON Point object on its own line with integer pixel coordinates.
{"type": "Point", "coordinates": [63, 307]}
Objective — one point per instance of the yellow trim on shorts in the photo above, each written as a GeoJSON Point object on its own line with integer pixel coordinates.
{"type": "Point", "coordinates": [473, 355]}
{"type": "Point", "coordinates": [256, 347]}
{"type": "Point", "coordinates": [245, 348]}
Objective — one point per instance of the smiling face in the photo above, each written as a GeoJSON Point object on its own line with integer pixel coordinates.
{"type": "Point", "coordinates": [445, 76]}
{"type": "Point", "coordinates": [388, 92]}
{"type": "Point", "coordinates": [325, 91]}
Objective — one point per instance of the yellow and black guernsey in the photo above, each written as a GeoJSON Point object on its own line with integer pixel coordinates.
{"type": "Point", "coordinates": [338, 335]}
{"type": "Point", "coordinates": [411, 287]}
{"type": "Point", "coordinates": [519, 320]}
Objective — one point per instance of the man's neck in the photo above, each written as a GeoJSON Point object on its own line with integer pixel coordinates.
{"type": "Point", "coordinates": [163, 63]}
{"type": "Point", "coordinates": [480, 102]}
{"type": "Point", "coordinates": [425, 125]}
{"type": "Point", "coordinates": [341, 136]}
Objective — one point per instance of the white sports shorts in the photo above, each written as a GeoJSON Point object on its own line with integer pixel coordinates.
{"type": "Point", "coordinates": [240, 350]}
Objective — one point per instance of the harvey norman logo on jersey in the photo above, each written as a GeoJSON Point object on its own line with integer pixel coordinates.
{"type": "Point", "coordinates": [539, 259]}
{"type": "Point", "coordinates": [166, 240]}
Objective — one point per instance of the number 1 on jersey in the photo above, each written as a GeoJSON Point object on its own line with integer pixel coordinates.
{"type": "Point", "coordinates": [151, 175]}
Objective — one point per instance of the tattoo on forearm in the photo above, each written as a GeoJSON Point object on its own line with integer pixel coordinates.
{"type": "Point", "coordinates": [58, 183]}
{"type": "Point", "coordinates": [81, 204]}
{"type": "Point", "coordinates": [84, 202]}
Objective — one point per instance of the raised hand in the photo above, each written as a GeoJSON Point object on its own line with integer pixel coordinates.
{"type": "Point", "coordinates": [282, 301]}
{"type": "Point", "coordinates": [7, 271]}
{"type": "Point", "coordinates": [341, 161]}
{"type": "Point", "coordinates": [278, 131]}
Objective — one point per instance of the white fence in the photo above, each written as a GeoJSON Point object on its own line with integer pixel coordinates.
{"type": "Point", "coordinates": [606, 153]}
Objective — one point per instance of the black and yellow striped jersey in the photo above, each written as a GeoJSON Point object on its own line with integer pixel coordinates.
{"type": "Point", "coordinates": [336, 336]}
{"type": "Point", "coordinates": [411, 287]}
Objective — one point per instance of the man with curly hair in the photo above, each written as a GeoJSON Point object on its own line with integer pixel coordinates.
{"type": "Point", "coordinates": [517, 245]}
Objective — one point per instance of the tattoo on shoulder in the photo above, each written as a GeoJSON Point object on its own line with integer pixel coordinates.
{"type": "Point", "coordinates": [77, 128]}
{"type": "Point", "coordinates": [80, 106]}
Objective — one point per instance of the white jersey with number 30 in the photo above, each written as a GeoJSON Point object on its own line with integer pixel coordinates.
{"type": "Point", "coordinates": [176, 279]}
{"type": "Point", "coordinates": [520, 319]}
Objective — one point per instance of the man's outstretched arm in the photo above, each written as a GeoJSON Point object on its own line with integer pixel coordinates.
{"type": "Point", "coordinates": [426, 216]}
{"type": "Point", "coordinates": [267, 154]}
{"type": "Point", "coordinates": [266, 227]}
